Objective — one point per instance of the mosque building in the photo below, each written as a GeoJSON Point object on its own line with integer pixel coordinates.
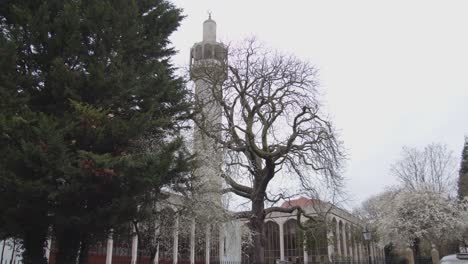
{"type": "Point", "coordinates": [199, 236]}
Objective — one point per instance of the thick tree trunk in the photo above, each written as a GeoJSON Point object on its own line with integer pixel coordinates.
{"type": "Point", "coordinates": [34, 242]}
{"type": "Point", "coordinates": [256, 226]}
{"type": "Point", "coordinates": [68, 243]}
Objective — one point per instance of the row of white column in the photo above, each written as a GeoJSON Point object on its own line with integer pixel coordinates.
{"type": "Point", "coordinates": [281, 242]}
{"type": "Point", "coordinates": [134, 252]}
{"type": "Point", "coordinates": [358, 252]}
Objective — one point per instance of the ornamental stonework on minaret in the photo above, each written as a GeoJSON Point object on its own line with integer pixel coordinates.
{"type": "Point", "coordinates": [208, 48]}
{"type": "Point", "coordinates": [207, 71]}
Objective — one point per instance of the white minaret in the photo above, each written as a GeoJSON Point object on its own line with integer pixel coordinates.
{"type": "Point", "coordinates": [206, 67]}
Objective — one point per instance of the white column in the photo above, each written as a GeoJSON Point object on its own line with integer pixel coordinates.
{"type": "Point", "coordinates": [134, 246]}
{"type": "Point", "coordinates": [304, 246]}
{"type": "Point", "coordinates": [331, 247]}
{"type": "Point", "coordinates": [306, 255]}
{"type": "Point", "coordinates": [110, 247]}
{"type": "Point", "coordinates": [350, 246]}
{"type": "Point", "coordinates": [281, 237]}
{"type": "Point", "coordinates": [359, 252]}
{"type": "Point", "coordinates": [156, 234]}
{"type": "Point", "coordinates": [3, 250]}
{"type": "Point", "coordinates": [345, 246]}
{"type": "Point", "coordinates": [356, 251]}
{"type": "Point", "coordinates": [156, 256]}
{"type": "Point", "coordinates": [13, 252]}
{"type": "Point", "coordinates": [221, 242]}
{"type": "Point", "coordinates": [175, 248]}
{"type": "Point", "coordinates": [48, 246]}
{"type": "Point", "coordinates": [207, 244]}
{"type": "Point", "coordinates": [47, 249]}
{"type": "Point", "coordinates": [365, 256]}
{"type": "Point", "coordinates": [338, 239]}
{"type": "Point", "coordinates": [192, 242]}
{"type": "Point", "coordinates": [368, 250]}
{"type": "Point", "coordinates": [373, 252]}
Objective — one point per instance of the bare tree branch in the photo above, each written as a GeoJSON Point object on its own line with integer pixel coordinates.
{"type": "Point", "coordinates": [432, 168]}
{"type": "Point", "coordinates": [271, 123]}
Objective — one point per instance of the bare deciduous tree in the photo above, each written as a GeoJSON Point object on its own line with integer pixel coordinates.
{"type": "Point", "coordinates": [271, 124]}
{"type": "Point", "coordinates": [432, 168]}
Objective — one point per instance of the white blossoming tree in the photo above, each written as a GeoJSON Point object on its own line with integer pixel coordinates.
{"type": "Point", "coordinates": [422, 215]}
{"type": "Point", "coordinates": [405, 217]}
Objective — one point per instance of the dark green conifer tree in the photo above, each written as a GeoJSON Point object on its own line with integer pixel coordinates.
{"type": "Point", "coordinates": [463, 174]}
{"type": "Point", "coordinates": [90, 112]}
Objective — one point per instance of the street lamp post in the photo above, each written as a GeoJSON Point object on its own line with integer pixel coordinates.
{"type": "Point", "coordinates": [367, 237]}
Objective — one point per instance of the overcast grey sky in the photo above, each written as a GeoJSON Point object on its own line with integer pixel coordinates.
{"type": "Point", "coordinates": [394, 73]}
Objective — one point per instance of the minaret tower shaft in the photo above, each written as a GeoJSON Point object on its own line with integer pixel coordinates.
{"type": "Point", "coordinates": [207, 60]}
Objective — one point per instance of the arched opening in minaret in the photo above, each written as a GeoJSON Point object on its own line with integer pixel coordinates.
{"type": "Point", "coordinates": [208, 51]}
{"type": "Point", "coordinates": [220, 53]}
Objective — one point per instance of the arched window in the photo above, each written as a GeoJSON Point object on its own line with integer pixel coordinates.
{"type": "Point", "coordinates": [316, 240]}
{"type": "Point", "coordinates": [333, 227]}
{"type": "Point", "coordinates": [348, 241]}
{"type": "Point", "coordinates": [272, 242]}
{"type": "Point", "coordinates": [293, 250]}
{"type": "Point", "coordinates": [198, 52]}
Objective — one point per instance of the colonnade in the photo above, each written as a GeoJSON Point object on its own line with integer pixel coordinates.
{"type": "Point", "coordinates": [175, 245]}
{"type": "Point", "coordinates": [349, 243]}
{"type": "Point", "coordinates": [345, 239]}
{"type": "Point", "coordinates": [343, 243]}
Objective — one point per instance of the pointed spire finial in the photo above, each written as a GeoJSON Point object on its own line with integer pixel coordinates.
{"type": "Point", "coordinates": [209, 29]}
